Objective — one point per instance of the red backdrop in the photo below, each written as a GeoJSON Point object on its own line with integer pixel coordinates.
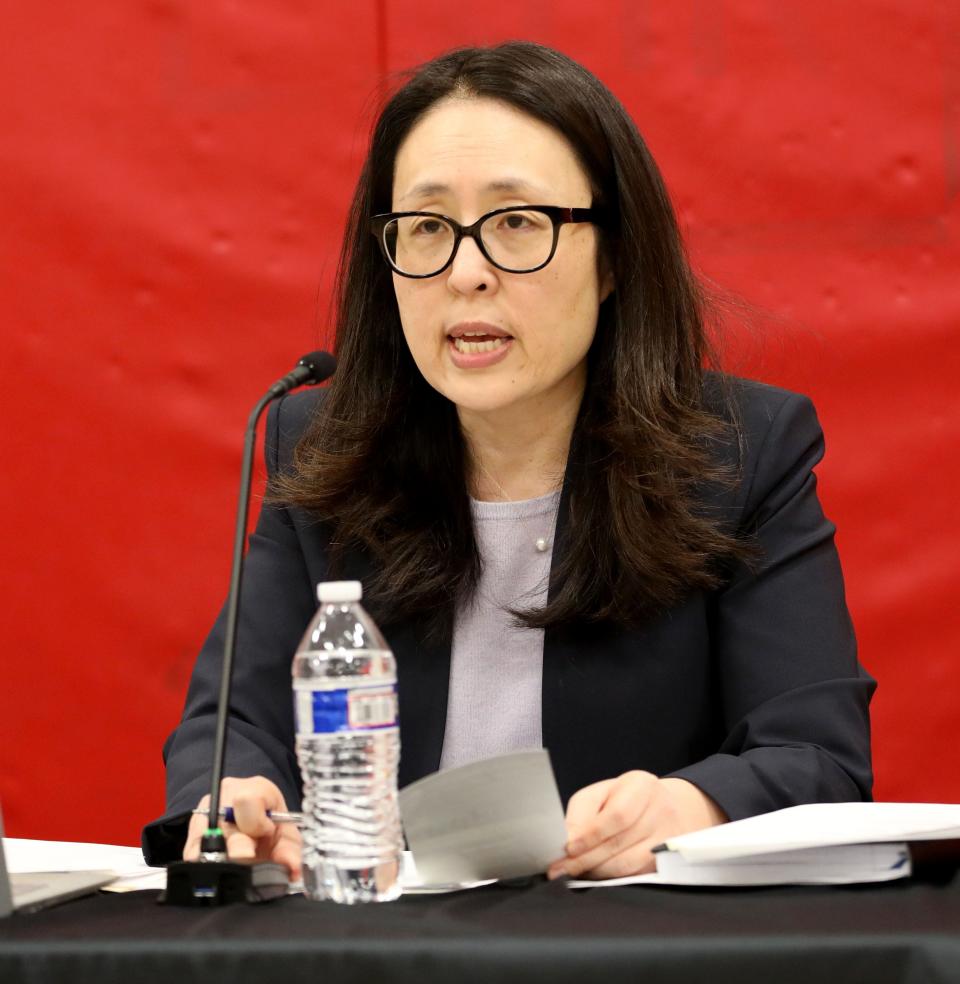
{"type": "Point", "coordinates": [175, 179]}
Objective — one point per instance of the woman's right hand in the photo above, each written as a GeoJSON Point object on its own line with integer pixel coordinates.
{"type": "Point", "coordinates": [254, 834]}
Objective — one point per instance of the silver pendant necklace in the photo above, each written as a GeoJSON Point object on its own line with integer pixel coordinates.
{"type": "Point", "coordinates": [541, 544]}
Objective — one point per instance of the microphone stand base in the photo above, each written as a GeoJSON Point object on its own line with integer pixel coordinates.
{"type": "Point", "coordinates": [212, 883]}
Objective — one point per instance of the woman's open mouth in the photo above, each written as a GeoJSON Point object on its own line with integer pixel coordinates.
{"type": "Point", "coordinates": [482, 343]}
{"type": "Point", "coordinates": [475, 347]}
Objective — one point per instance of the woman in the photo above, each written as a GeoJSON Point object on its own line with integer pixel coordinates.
{"type": "Point", "coordinates": [570, 533]}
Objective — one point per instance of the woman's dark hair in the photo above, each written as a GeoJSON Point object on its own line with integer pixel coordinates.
{"type": "Point", "coordinates": [383, 464]}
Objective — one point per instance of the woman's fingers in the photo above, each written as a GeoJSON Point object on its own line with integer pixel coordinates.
{"type": "Point", "coordinates": [628, 843]}
{"type": "Point", "coordinates": [278, 842]}
{"type": "Point", "coordinates": [198, 824]}
{"type": "Point", "coordinates": [240, 846]}
{"type": "Point", "coordinates": [250, 814]}
{"type": "Point", "coordinates": [583, 809]}
{"type": "Point", "coordinates": [620, 809]}
{"type": "Point", "coordinates": [253, 834]}
{"type": "Point", "coordinates": [604, 820]}
{"type": "Point", "coordinates": [288, 849]}
{"type": "Point", "coordinates": [615, 824]}
{"type": "Point", "coordinates": [635, 860]}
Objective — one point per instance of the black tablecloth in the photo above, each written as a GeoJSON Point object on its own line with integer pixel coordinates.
{"type": "Point", "coordinates": [901, 932]}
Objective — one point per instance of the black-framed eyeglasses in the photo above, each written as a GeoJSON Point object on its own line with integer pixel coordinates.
{"type": "Point", "coordinates": [516, 239]}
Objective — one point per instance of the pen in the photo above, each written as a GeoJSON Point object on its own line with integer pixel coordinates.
{"type": "Point", "coordinates": [226, 814]}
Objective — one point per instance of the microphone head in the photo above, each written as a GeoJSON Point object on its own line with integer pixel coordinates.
{"type": "Point", "coordinates": [320, 364]}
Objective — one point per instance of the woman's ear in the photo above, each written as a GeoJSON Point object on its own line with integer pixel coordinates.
{"type": "Point", "coordinates": [607, 283]}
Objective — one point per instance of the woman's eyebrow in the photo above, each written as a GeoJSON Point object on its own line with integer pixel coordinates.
{"type": "Point", "coordinates": [515, 185]}
{"type": "Point", "coordinates": [427, 189]}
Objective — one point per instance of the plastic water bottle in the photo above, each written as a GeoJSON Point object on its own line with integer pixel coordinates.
{"type": "Point", "coordinates": [348, 747]}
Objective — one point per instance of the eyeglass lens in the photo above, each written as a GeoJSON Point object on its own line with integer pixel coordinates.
{"type": "Point", "coordinates": [422, 245]}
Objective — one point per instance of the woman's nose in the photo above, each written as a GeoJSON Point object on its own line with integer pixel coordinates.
{"type": "Point", "coordinates": [470, 269]}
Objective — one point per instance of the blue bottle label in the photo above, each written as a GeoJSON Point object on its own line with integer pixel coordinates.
{"type": "Point", "coordinates": [353, 709]}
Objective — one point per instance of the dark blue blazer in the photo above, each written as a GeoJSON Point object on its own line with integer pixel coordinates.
{"type": "Point", "coordinates": [753, 692]}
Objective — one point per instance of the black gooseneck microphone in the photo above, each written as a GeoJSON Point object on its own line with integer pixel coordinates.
{"type": "Point", "coordinates": [215, 879]}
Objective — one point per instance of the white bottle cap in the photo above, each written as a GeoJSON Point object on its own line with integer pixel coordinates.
{"type": "Point", "coordinates": [337, 591]}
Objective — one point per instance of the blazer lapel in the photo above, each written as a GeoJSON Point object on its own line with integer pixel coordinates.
{"type": "Point", "coordinates": [423, 677]}
{"type": "Point", "coordinates": [560, 672]}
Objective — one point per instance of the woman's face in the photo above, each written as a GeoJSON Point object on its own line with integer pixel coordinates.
{"type": "Point", "coordinates": [466, 157]}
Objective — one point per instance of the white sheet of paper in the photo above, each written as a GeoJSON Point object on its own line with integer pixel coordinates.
{"type": "Point", "coordinates": [497, 818]}
{"type": "Point", "coordinates": [25, 855]}
{"type": "Point", "coordinates": [147, 879]}
{"type": "Point", "coordinates": [820, 825]}
{"type": "Point", "coordinates": [838, 865]}
{"type": "Point", "coordinates": [413, 883]}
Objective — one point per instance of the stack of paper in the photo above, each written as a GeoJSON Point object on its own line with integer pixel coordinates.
{"type": "Point", "coordinates": [822, 843]}
{"type": "Point", "coordinates": [39, 856]}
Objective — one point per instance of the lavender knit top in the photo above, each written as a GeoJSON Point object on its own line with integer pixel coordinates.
{"type": "Point", "coordinates": [496, 669]}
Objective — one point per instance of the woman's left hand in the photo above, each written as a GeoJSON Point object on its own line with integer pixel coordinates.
{"type": "Point", "coordinates": [612, 825]}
